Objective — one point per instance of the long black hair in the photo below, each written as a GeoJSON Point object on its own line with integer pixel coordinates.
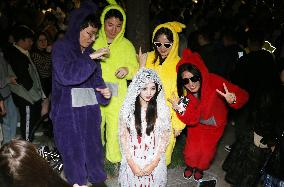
{"type": "Point", "coordinates": [190, 68]}
{"type": "Point", "coordinates": [151, 113]}
{"type": "Point", "coordinates": [169, 36]}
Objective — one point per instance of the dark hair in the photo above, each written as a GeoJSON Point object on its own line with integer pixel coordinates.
{"type": "Point", "coordinates": [35, 46]}
{"type": "Point", "coordinates": [190, 68]}
{"type": "Point", "coordinates": [151, 113]}
{"type": "Point", "coordinates": [22, 32]}
{"type": "Point", "coordinates": [21, 166]}
{"type": "Point", "coordinates": [114, 13]}
{"type": "Point", "coordinates": [91, 20]}
{"type": "Point", "coordinates": [169, 36]}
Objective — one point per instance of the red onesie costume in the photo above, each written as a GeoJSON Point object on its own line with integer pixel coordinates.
{"type": "Point", "coordinates": [206, 116]}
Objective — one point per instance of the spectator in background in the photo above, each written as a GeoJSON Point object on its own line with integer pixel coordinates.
{"type": "Point", "coordinates": [10, 120]}
{"type": "Point", "coordinates": [256, 72]}
{"type": "Point", "coordinates": [41, 57]}
{"type": "Point", "coordinates": [27, 93]}
{"type": "Point", "coordinates": [215, 59]}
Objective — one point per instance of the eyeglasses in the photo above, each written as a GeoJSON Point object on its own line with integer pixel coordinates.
{"type": "Point", "coordinates": [166, 45]}
{"type": "Point", "coordinates": [92, 36]}
{"type": "Point", "coordinates": [193, 79]}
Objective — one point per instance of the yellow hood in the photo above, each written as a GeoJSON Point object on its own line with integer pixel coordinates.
{"type": "Point", "coordinates": [175, 27]}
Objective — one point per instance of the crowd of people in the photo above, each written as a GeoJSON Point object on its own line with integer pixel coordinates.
{"type": "Point", "coordinates": [107, 100]}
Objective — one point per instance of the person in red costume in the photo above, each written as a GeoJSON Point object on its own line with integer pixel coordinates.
{"type": "Point", "coordinates": [202, 106]}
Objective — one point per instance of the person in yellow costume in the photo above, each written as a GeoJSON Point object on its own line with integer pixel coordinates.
{"type": "Point", "coordinates": [117, 68]}
{"type": "Point", "coordinates": [164, 59]}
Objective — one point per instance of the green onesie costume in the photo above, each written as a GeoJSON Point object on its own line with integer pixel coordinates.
{"type": "Point", "coordinates": [122, 54]}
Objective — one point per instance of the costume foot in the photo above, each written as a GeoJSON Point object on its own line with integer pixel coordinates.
{"type": "Point", "coordinates": [198, 174]}
{"type": "Point", "coordinates": [188, 172]}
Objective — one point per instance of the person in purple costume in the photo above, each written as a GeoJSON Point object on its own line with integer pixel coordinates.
{"type": "Point", "coordinates": [78, 90]}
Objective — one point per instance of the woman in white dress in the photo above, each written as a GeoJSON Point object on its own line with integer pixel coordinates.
{"type": "Point", "coordinates": [144, 132]}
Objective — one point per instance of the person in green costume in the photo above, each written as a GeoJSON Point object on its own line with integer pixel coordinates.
{"type": "Point", "coordinates": [119, 66]}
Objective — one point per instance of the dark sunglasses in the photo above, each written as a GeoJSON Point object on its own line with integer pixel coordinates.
{"type": "Point", "coordinates": [166, 45]}
{"type": "Point", "coordinates": [194, 79]}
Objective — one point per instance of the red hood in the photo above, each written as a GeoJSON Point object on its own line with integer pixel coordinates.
{"type": "Point", "coordinates": [194, 58]}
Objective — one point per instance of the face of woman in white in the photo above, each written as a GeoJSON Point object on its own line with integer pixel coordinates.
{"type": "Point", "coordinates": [163, 45]}
{"type": "Point", "coordinates": [191, 83]}
{"type": "Point", "coordinates": [87, 36]}
{"type": "Point", "coordinates": [147, 92]}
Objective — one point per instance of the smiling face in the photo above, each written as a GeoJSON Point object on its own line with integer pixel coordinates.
{"type": "Point", "coordinates": [163, 45]}
{"type": "Point", "coordinates": [112, 27]}
{"type": "Point", "coordinates": [191, 86]}
{"type": "Point", "coordinates": [147, 92]}
{"type": "Point", "coordinates": [87, 36]}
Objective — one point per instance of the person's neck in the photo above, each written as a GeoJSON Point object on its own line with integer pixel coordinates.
{"type": "Point", "coordinates": [143, 103]}
{"type": "Point", "coordinates": [109, 41]}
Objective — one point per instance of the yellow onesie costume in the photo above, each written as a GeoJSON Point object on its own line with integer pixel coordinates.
{"type": "Point", "coordinates": [122, 54]}
{"type": "Point", "coordinates": [167, 73]}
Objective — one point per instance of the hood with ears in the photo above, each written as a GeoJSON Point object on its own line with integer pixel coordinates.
{"type": "Point", "coordinates": [175, 28]}
{"type": "Point", "coordinates": [102, 40]}
{"type": "Point", "coordinates": [189, 57]}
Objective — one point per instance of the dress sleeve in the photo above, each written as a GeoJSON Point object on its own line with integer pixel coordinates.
{"type": "Point", "coordinates": [124, 138]}
{"type": "Point", "coordinates": [164, 136]}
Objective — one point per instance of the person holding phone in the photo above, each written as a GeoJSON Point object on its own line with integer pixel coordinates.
{"type": "Point", "coordinates": [206, 112]}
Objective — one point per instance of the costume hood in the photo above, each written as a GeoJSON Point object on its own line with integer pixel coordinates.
{"type": "Point", "coordinates": [102, 33]}
{"type": "Point", "coordinates": [76, 19]}
{"type": "Point", "coordinates": [189, 57]}
{"type": "Point", "coordinates": [175, 28]}
{"type": "Point", "coordinates": [143, 77]}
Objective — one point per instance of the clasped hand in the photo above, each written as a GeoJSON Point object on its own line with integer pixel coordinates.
{"type": "Point", "coordinates": [147, 170]}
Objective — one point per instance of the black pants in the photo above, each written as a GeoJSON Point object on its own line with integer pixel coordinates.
{"type": "Point", "coordinates": [29, 115]}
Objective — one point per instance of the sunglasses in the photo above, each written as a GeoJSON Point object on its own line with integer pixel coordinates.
{"type": "Point", "coordinates": [166, 45]}
{"type": "Point", "coordinates": [193, 79]}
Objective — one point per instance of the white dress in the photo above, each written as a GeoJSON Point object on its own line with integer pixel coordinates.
{"type": "Point", "coordinates": [143, 150]}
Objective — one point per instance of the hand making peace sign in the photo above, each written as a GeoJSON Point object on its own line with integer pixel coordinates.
{"type": "Point", "coordinates": [229, 96]}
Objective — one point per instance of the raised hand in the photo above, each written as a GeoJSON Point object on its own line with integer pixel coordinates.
{"type": "Point", "coordinates": [142, 58]}
{"type": "Point", "coordinates": [174, 101]}
{"type": "Point", "coordinates": [229, 96]}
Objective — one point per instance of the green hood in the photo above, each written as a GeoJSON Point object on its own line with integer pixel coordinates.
{"type": "Point", "coordinates": [102, 40]}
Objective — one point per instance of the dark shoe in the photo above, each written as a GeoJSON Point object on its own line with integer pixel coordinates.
{"type": "Point", "coordinates": [198, 174]}
{"type": "Point", "coordinates": [188, 172]}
